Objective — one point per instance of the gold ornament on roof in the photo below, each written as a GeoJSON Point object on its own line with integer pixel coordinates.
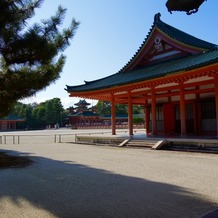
{"type": "Point", "coordinates": [157, 44]}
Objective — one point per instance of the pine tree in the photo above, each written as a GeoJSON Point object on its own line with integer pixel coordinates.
{"type": "Point", "coordinates": [30, 56]}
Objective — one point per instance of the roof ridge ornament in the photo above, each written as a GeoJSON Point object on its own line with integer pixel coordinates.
{"type": "Point", "coordinates": [189, 6]}
{"type": "Point", "coordinates": [157, 17]}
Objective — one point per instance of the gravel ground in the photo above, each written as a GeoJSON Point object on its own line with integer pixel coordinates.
{"type": "Point", "coordinates": [76, 181]}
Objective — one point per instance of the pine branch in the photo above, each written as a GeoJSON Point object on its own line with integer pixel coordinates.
{"type": "Point", "coordinates": [28, 55]}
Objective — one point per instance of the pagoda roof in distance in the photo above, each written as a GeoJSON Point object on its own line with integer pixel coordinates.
{"type": "Point", "coordinates": [84, 114]}
{"type": "Point", "coordinates": [82, 102]}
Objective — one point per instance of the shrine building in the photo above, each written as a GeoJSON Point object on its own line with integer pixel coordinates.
{"type": "Point", "coordinates": [10, 122]}
{"type": "Point", "coordinates": [173, 75]}
{"type": "Point", "coordinates": [81, 116]}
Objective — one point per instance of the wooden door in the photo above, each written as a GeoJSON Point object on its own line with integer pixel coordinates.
{"type": "Point", "coordinates": [169, 119]}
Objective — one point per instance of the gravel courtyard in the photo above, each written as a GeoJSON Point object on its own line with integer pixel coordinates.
{"type": "Point", "coordinates": [76, 181]}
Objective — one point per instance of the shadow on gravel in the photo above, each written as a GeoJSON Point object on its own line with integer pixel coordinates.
{"type": "Point", "coordinates": [67, 189]}
{"type": "Point", "coordinates": [10, 161]}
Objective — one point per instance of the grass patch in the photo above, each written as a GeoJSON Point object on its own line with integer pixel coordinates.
{"type": "Point", "coordinates": [8, 161]}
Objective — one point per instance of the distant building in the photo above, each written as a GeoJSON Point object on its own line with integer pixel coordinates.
{"type": "Point", "coordinates": [10, 122]}
{"type": "Point", "coordinates": [82, 116]}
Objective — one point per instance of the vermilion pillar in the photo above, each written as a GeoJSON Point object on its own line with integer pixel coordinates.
{"type": "Point", "coordinates": [113, 115]}
{"type": "Point", "coordinates": [216, 96]}
{"type": "Point", "coordinates": [147, 114]}
{"type": "Point", "coordinates": [153, 113]}
{"type": "Point", "coordinates": [130, 118]}
{"type": "Point", "coordinates": [195, 118]}
{"type": "Point", "coordinates": [182, 111]}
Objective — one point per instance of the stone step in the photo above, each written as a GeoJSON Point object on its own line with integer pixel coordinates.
{"type": "Point", "coordinates": [141, 143]}
{"type": "Point", "coordinates": [191, 147]}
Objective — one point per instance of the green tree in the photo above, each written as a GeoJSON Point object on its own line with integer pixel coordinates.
{"type": "Point", "coordinates": [49, 113]}
{"type": "Point", "coordinates": [54, 112]}
{"type": "Point", "coordinates": [29, 118]}
{"type": "Point", "coordinates": [121, 109]}
{"type": "Point", "coordinates": [24, 111]}
{"type": "Point", "coordinates": [30, 56]}
{"type": "Point", "coordinates": [103, 108]}
{"type": "Point", "coordinates": [137, 109]}
{"type": "Point", "coordinates": [20, 110]}
{"type": "Point", "coordinates": [138, 120]}
{"type": "Point", "coordinates": [38, 115]}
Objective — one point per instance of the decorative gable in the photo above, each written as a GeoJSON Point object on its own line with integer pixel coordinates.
{"type": "Point", "coordinates": [165, 43]}
{"type": "Point", "coordinates": [159, 51]}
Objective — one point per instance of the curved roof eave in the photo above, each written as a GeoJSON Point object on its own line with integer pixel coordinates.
{"type": "Point", "coordinates": [150, 72]}
{"type": "Point", "coordinates": [173, 33]}
{"type": "Point", "coordinates": [209, 53]}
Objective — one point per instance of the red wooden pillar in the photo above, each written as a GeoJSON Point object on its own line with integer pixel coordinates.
{"type": "Point", "coordinates": [195, 118]}
{"type": "Point", "coordinates": [153, 113]}
{"type": "Point", "coordinates": [182, 111]}
{"type": "Point", "coordinates": [216, 100]}
{"type": "Point", "coordinates": [198, 114]}
{"type": "Point", "coordinates": [130, 118]}
{"type": "Point", "coordinates": [147, 115]}
{"type": "Point", "coordinates": [113, 115]}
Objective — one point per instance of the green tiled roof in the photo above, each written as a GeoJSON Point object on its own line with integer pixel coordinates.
{"type": "Point", "coordinates": [182, 36]}
{"type": "Point", "coordinates": [11, 117]}
{"type": "Point", "coordinates": [150, 72]}
{"type": "Point", "coordinates": [118, 116]}
{"type": "Point", "coordinates": [84, 114]}
{"type": "Point", "coordinates": [82, 102]}
{"type": "Point", "coordinates": [208, 56]}
{"type": "Point", "coordinates": [175, 34]}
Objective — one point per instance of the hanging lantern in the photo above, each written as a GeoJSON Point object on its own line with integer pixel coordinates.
{"type": "Point", "coordinates": [189, 6]}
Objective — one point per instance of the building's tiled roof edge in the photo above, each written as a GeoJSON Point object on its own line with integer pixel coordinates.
{"type": "Point", "coordinates": [11, 117]}
{"type": "Point", "coordinates": [150, 72]}
{"type": "Point", "coordinates": [208, 55]}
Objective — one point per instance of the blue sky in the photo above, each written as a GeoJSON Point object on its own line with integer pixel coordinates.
{"type": "Point", "coordinates": [110, 33]}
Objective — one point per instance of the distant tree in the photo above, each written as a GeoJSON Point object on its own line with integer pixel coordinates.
{"type": "Point", "coordinates": [138, 120]}
{"type": "Point", "coordinates": [24, 111]}
{"type": "Point", "coordinates": [20, 110]}
{"type": "Point", "coordinates": [103, 108]}
{"type": "Point", "coordinates": [29, 116]}
{"type": "Point", "coordinates": [137, 109]}
{"type": "Point", "coordinates": [49, 113]}
{"type": "Point", "coordinates": [29, 55]}
{"type": "Point", "coordinates": [38, 116]}
{"type": "Point", "coordinates": [54, 112]}
{"type": "Point", "coordinates": [121, 109]}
